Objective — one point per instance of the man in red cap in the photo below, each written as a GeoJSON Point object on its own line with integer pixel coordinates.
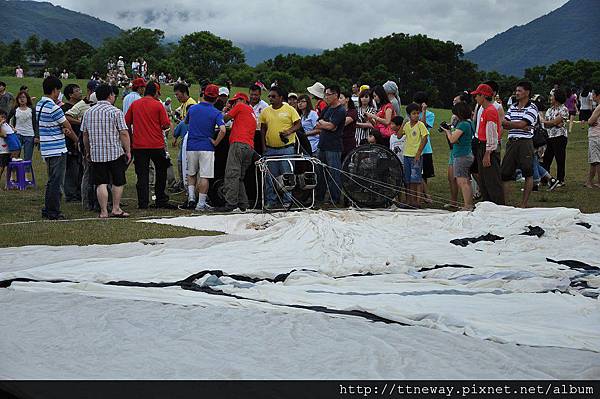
{"type": "Point", "coordinates": [489, 129]}
{"type": "Point", "coordinates": [200, 149]}
{"type": "Point", "coordinates": [149, 118]}
{"type": "Point", "coordinates": [241, 152]}
{"type": "Point", "coordinates": [137, 90]}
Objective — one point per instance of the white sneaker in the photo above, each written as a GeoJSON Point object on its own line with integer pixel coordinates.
{"type": "Point", "coordinates": [204, 208]}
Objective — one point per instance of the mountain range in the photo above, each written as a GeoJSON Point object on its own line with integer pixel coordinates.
{"type": "Point", "coordinates": [570, 32]}
{"type": "Point", "coordinates": [21, 19]}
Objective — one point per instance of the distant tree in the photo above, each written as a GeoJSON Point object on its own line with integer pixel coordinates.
{"type": "Point", "coordinates": [15, 54]}
{"type": "Point", "coordinates": [131, 44]}
{"type": "Point", "coordinates": [32, 47]}
{"type": "Point", "coordinates": [204, 55]}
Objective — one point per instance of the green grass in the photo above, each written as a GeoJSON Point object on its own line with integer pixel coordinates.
{"type": "Point", "coordinates": [24, 206]}
{"type": "Point", "coordinates": [35, 88]}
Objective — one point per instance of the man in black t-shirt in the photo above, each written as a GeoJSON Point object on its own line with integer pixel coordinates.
{"type": "Point", "coordinates": [331, 124]}
{"type": "Point", "coordinates": [74, 168]}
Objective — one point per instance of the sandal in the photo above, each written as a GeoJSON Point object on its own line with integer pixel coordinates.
{"type": "Point", "coordinates": [122, 215]}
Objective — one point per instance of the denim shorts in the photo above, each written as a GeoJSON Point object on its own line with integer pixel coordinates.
{"type": "Point", "coordinates": [413, 170]}
{"type": "Point", "coordinates": [462, 166]}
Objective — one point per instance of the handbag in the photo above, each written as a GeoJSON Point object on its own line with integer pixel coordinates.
{"type": "Point", "coordinates": [540, 136]}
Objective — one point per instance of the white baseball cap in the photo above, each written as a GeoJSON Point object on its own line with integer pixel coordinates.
{"type": "Point", "coordinates": [224, 91]}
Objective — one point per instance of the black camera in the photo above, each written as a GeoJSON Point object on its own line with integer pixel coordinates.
{"type": "Point", "coordinates": [444, 125]}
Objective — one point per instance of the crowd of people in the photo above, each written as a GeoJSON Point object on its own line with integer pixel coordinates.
{"type": "Point", "coordinates": [88, 143]}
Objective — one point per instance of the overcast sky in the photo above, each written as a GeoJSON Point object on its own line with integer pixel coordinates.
{"type": "Point", "coordinates": [320, 23]}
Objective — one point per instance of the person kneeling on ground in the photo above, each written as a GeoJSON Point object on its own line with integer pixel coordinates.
{"type": "Point", "coordinates": [107, 145]}
{"type": "Point", "coordinates": [241, 152]}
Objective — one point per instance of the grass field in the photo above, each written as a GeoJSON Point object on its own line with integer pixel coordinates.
{"type": "Point", "coordinates": [23, 225]}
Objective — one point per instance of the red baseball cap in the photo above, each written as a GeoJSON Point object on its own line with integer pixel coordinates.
{"type": "Point", "coordinates": [139, 82]}
{"type": "Point", "coordinates": [484, 90]}
{"type": "Point", "coordinates": [243, 96]}
{"type": "Point", "coordinates": [211, 91]}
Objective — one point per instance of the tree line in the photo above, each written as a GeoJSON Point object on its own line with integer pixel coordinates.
{"type": "Point", "coordinates": [415, 62]}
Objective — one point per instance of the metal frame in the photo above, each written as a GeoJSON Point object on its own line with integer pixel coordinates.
{"type": "Point", "coordinates": [262, 166]}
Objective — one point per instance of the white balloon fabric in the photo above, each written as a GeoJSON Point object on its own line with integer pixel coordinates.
{"type": "Point", "coordinates": [398, 267]}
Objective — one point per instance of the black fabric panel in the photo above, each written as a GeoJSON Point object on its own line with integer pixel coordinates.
{"type": "Point", "coordinates": [534, 231]}
{"type": "Point", "coordinates": [443, 266]}
{"type": "Point", "coordinates": [574, 264]}
{"type": "Point", "coordinates": [463, 242]}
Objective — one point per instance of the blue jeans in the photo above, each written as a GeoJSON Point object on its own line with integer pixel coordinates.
{"type": "Point", "coordinates": [538, 169]}
{"type": "Point", "coordinates": [56, 175]}
{"type": "Point", "coordinates": [277, 169]}
{"type": "Point", "coordinates": [27, 146]}
{"type": "Point", "coordinates": [331, 178]}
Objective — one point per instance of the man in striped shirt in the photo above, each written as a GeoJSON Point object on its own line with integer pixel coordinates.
{"type": "Point", "coordinates": [106, 140]}
{"type": "Point", "coordinates": [520, 119]}
{"type": "Point", "coordinates": [53, 127]}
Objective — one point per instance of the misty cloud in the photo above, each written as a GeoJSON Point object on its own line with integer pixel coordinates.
{"type": "Point", "coordinates": [320, 24]}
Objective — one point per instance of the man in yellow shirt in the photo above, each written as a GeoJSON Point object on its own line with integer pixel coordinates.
{"type": "Point", "coordinates": [416, 138]}
{"type": "Point", "coordinates": [182, 92]}
{"type": "Point", "coordinates": [278, 124]}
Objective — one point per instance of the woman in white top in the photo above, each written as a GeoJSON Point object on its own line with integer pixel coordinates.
{"type": "Point", "coordinates": [308, 118]}
{"type": "Point", "coordinates": [594, 143]}
{"type": "Point", "coordinates": [555, 123]}
{"type": "Point", "coordinates": [585, 110]}
{"type": "Point", "coordinates": [24, 123]}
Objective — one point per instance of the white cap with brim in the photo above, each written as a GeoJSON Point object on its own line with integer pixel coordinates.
{"type": "Point", "coordinates": [317, 90]}
{"type": "Point", "coordinates": [223, 91]}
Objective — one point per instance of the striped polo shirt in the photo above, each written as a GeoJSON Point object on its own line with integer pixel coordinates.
{"type": "Point", "coordinates": [52, 138]}
{"type": "Point", "coordinates": [104, 123]}
{"type": "Point", "coordinates": [529, 114]}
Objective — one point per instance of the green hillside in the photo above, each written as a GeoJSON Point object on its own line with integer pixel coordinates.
{"type": "Point", "coordinates": [21, 19]}
{"type": "Point", "coordinates": [570, 32]}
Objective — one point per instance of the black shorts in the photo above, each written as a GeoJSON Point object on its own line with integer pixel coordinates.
{"type": "Point", "coordinates": [4, 160]}
{"type": "Point", "coordinates": [428, 170]}
{"type": "Point", "coordinates": [584, 114]}
{"type": "Point", "coordinates": [112, 172]}
{"type": "Point", "coordinates": [572, 113]}
{"type": "Point", "coordinates": [519, 155]}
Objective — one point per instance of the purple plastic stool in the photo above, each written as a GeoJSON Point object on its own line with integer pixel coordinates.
{"type": "Point", "coordinates": [21, 183]}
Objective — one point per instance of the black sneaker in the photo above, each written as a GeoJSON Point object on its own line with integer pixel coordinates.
{"type": "Point", "coordinates": [554, 183]}
{"type": "Point", "coordinates": [226, 208]}
{"type": "Point", "coordinates": [165, 205]}
{"type": "Point", "coordinates": [60, 216]}
{"type": "Point", "coordinates": [536, 187]}
{"type": "Point", "coordinates": [190, 205]}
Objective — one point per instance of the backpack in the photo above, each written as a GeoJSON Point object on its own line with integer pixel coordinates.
{"type": "Point", "coordinates": [540, 135]}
